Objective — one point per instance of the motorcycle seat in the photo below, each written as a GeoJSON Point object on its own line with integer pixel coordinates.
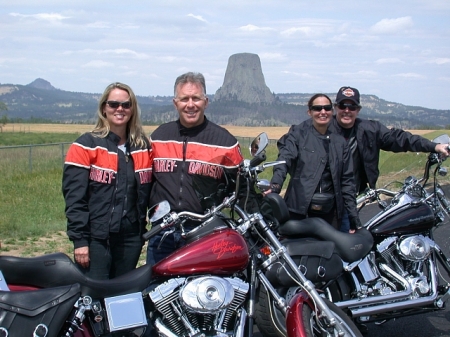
{"type": "Point", "coordinates": [57, 269]}
{"type": "Point", "coordinates": [350, 247]}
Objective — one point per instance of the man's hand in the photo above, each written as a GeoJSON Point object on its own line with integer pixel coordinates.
{"type": "Point", "coordinates": [81, 256]}
{"type": "Point", "coordinates": [442, 149]}
{"type": "Point", "coordinates": [274, 188]}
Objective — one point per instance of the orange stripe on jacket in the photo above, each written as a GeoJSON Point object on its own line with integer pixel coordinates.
{"type": "Point", "coordinates": [99, 157]}
{"type": "Point", "coordinates": [213, 154]}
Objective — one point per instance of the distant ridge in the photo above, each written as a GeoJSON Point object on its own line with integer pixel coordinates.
{"type": "Point", "coordinates": [39, 101]}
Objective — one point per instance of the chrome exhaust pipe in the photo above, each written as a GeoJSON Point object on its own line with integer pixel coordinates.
{"type": "Point", "coordinates": [406, 304]}
{"type": "Point", "coordinates": [367, 311]}
{"type": "Point", "coordinates": [380, 298]}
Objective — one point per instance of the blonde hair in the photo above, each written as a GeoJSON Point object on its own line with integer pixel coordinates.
{"type": "Point", "coordinates": [135, 133]}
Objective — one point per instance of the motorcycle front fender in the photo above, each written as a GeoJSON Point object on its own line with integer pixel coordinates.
{"type": "Point", "coordinates": [294, 318]}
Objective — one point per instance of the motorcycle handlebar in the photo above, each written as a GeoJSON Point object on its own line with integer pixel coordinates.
{"type": "Point", "coordinates": [258, 160]}
{"type": "Point", "coordinates": [152, 232]}
{"type": "Point", "coordinates": [371, 195]}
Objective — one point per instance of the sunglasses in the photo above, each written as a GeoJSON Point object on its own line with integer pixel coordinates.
{"type": "Point", "coordinates": [115, 104]}
{"type": "Point", "coordinates": [351, 107]}
{"type": "Point", "coordinates": [319, 108]}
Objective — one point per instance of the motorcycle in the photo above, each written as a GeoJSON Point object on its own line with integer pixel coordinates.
{"type": "Point", "coordinates": [392, 267]}
{"type": "Point", "coordinates": [206, 288]}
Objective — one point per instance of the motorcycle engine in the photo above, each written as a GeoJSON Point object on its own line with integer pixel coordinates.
{"type": "Point", "coordinates": [205, 304]}
{"type": "Point", "coordinates": [414, 248]}
{"type": "Point", "coordinates": [404, 261]}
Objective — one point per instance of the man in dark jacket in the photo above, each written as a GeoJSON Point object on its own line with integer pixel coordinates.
{"type": "Point", "coordinates": [191, 159]}
{"type": "Point", "coordinates": [367, 137]}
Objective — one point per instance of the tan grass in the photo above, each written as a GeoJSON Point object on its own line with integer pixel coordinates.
{"type": "Point", "coordinates": [274, 132]}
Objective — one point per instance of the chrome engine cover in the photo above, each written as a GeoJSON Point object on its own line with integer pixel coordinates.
{"type": "Point", "coordinates": [207, 294]}
{"type": "Point", "coordinates": [415, 248]}
{"type": "Point", "coordinates": [207, 305]}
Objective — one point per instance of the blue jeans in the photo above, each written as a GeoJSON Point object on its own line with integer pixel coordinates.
{"type": "Point", "coordinates": [157, 250]}
{"type": "Point", "coordinates": [345, 222]}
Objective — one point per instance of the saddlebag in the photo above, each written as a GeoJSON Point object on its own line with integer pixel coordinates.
{"type": "Point", "coordinates": [39, 313]}
{"type": "Point", "coordinates": [317, 260]}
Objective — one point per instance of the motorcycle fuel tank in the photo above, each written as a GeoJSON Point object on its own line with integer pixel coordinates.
{"type": "Point", "coordinates": [402, 221]}
{"type": "Point", "coordinates": [221, 253]}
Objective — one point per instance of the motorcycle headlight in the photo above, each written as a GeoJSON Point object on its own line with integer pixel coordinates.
{"type": "Point", "coordinates": [414, 248]}
{"type": "Point", "coordinates": [207, 294]}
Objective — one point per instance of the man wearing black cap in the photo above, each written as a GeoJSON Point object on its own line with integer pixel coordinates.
{"type": "Point", "coordinates": [367, 137]}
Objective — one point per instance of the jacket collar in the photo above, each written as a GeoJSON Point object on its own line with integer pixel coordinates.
{"type": "Point", "coordinates": [184, 131]}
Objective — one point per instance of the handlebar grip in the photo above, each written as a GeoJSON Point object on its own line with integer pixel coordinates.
{"type": "Point", "coordinates": [152, 232]}
{"type": "Point", "coordinates": [260, 158]}
{"type": "Point", "coordinates": [360, 200]}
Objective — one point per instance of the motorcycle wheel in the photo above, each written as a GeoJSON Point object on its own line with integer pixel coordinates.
{"type": "Point", "coordinates": [314, 330]}
{"type": "Point", "coordinates": [271, 322]}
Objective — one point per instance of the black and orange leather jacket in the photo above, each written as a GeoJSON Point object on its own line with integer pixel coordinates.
{"type": "Point", "coordinates": [191, 166]}
{"type": "Point", "coordinates": [90, 186]}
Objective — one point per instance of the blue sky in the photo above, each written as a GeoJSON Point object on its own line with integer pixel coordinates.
{"type": "Point", "coordinates": [397, 50]}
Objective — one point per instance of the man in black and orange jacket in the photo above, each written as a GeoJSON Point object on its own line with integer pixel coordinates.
{"type": "Point", "coordinates": [191, 157]}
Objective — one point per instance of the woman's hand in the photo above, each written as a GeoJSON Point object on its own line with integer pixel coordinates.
{"type": "Point", "coordinates": [81, 256]}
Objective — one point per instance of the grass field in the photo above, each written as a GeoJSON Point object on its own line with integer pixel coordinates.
{"type": "Point", "coordinates": [32, 219]}
{"type": "Point", "coordinates": [241, 131]}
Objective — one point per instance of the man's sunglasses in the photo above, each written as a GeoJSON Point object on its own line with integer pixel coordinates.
{"type": "Point", "coordinates": [115, 104]}
{"type": "Point", "coordinates": [319, 108]}
{"type": "Point", "coordinates": [351, 107]}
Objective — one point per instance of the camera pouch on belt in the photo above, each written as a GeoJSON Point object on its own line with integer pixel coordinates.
{"type": "Point", "coordinates": [321, 203]}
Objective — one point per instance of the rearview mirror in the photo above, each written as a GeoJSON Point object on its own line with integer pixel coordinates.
{"type": "Point", "coordinates": [158, 211]}
{"type": "Point", "coordinates": [259, 144]}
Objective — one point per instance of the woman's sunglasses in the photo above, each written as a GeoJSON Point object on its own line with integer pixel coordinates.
{"type": "Point", "coordinates": [115, 104]}
{"type": "Point", "coordinates": [319, 108]}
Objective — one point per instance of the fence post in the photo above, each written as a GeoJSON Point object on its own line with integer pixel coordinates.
{"type": "Point", "coordinates": [62, 153]}
{"type": "Point", "coordinates": [30, 160]}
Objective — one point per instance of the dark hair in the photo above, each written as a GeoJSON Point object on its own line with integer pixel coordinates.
{"type": "Point", "coordinates": [190, 77]}
{"type": "Point", "coordinates": [312, 99]}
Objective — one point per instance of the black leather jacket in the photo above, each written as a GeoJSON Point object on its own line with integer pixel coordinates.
{"type": "Point", "coordinates": [372, 136]}
{"type": "Point", "coordinates": [304, 155]}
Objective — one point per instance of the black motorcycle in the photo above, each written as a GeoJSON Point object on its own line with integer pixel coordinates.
{"type": "Point", "coordinates": [392, 267]}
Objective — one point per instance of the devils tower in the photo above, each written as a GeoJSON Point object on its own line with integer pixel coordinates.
{"type": "Point", "coordinates": [244, 81]}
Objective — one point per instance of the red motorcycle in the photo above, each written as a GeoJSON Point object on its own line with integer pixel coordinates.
{"type": "Point", "coordinates": [206, 288]}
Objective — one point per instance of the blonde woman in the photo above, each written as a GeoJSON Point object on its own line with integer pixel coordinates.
{"type": "Point", "coordinates": [106, 187]}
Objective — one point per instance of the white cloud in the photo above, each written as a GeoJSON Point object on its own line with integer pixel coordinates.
{"type": "Point", "coordinates": [125, 52]}
{"type": "Point", "coordinates": [97, 64]}
{"type": "Point", "coordinates": [197, 17]}
{"type": "Point", "coordinates": [272, 56]}
{"type": "Point", "coordinates": [410, 75]}
{"type": "Point", "coordinates": [389, 26]}
{"type": "Point", "coordinates": [306, 31]}
{"type": "Point", "coordinates": [253, 28]}
{"type": "Point", "coordinates": [440, 61]}
{"type": "Point", "coordinates": [391, 60]}
{"type": "Point", "coordinates": [51, 17]}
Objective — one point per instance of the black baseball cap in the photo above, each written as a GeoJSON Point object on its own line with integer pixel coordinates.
{"type": "Point", "coordinates": [347, 93]}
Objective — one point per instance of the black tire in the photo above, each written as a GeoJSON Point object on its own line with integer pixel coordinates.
{"type": "Point", "coordinates": [271, 322]}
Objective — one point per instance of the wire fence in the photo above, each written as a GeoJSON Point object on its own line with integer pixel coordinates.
{"type": "Point", "coordinates": [40, 157]}
{"type": "Point", "coordinates": [31, 158]}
